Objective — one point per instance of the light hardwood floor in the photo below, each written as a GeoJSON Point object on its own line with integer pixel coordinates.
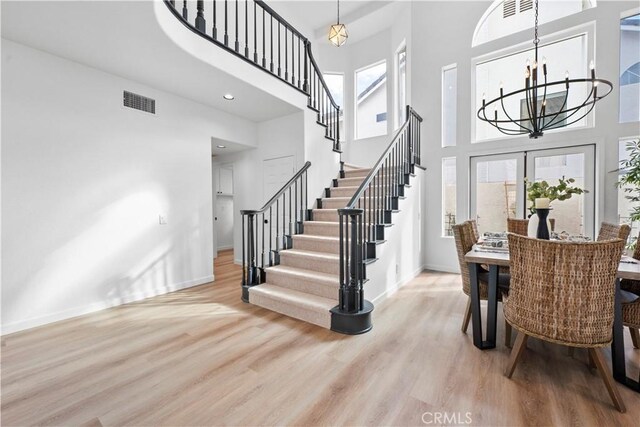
{"type": "Point", "coordinates": [202, 357]}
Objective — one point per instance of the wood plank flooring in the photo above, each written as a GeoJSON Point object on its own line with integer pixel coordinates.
{"type": "Point", "coordinates": [202, 357]}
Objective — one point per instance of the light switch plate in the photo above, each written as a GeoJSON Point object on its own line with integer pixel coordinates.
{"type": "Point", "coordinates": [162, 219]}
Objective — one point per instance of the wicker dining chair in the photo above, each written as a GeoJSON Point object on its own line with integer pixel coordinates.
{"type": "Point", "coordinates": [465, 238]}
{"type": "Point", "coordinates": [633, 285]}
{"type": "Point", "coordinates": [610, 231]}
{"type": "Point", "coordinates": [564, 293]}
{"type": "Point", "coordinates": [631, 319]}
{"type": "Point", "coordinates": [518, 226]}
{"type": "Point", "coordinates": [474, 226]}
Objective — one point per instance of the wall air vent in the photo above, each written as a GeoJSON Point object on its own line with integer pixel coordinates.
{"type": "Point", "coordinates": [139, 102]}
{"type": "Point", "coordinates": [526, 5]}
{"type": "Point", "coordinates": [508, 8]}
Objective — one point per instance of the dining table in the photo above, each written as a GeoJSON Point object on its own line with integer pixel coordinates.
{"type": "Point", "coordinates": [479, 260]}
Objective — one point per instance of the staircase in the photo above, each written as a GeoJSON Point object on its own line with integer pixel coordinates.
{"type": "Point", "coordinates": [306, 284]}
{"type": "Point", "coordinates": [311, 264]}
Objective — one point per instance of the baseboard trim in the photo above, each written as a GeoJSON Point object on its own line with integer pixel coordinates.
{"type": "Point", "coordinates": [442, 268]}
{"type": "Point", "coordinates": [98, 306]}
{"type": "Point", "coordinates": [400, 283]}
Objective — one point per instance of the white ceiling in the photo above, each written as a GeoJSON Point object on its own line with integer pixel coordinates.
{"type": "Point", "coordinates": [315, 16]}
{"type": "Point", "coordinates": [125, 39]}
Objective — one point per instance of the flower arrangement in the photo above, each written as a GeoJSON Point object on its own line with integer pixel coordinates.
{"type": "Point", "coordinates": [562, 191]}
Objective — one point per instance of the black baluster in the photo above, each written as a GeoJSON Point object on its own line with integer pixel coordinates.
{"type": "Point", "coordinates": [284, 221]}
{"type": "Point", "coordinates": [215, 29]}
{"type": "Point", "coordinates": [286, 55]}
{"type": "Point", "coordinates": [172, 2]}
{"type": "Point", "coordinates": [342, 259]}
{"type": "Point", "coordinates": [305, 83]}
{"type": "Point", "coordinates": [226, 24]}
{"type": "Point", "coordinates": [298, 61]}
{"type": "Point", "coordinates": [271, 66]}
{"type": "Point", "coordinates": [290, 216]}
{"type": "Point", "coordinates": [201, 23]}
{"type": "Point", "coordinates": [279, 67]}
{"type": "Point", "coordinates": [255, 34]}
{"type": "Point", "coordinates": [264, 59]}
{"type": "Point", "coordinates": [262, 256]}
{"type": "Point", "coordinates": [277, 225]}
{"type": "Point", "coordinates": [270, 236]}
{"type": "Point", "coordinates": [293, 60]}
{"type": "Point", "coordinates": [295, 206]}
{"type": "Point", "coordinates": [237, 45]}
{"type": "Point", "coordinates": [185, 13]}
{"type": "Point", "coordinates": [246, 28]}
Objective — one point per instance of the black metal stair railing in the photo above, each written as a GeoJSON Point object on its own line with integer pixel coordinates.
{"type": "Point", "coordinates": [364, 219]}
{"type": "Point", "coordinates": [267, 231]}
{"type": "Point", "coordinates": [253, 31]}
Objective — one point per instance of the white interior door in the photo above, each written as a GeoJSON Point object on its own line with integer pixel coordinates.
{"type": "Point", "coordinates": [276, 173]}
{"type": "Point", "coordinates": [496, 190]}
{"type": "Point", "coordinates": [577, 214]}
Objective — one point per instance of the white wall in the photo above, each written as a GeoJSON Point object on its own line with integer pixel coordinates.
{"type": "Point", "coordinates": [83, 182]}
{"type": "Point", "coordinates": [431, 22]}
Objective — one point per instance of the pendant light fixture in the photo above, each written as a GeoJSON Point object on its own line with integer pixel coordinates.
{"type": "Point", "coordinates": [538, 115]}
{"type": "Point", "coordinates": [338, 32]}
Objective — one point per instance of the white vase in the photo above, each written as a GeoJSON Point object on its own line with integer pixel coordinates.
{"type": "Point", "coordinates": [532, 229]}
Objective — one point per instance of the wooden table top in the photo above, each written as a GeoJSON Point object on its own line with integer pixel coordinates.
{"type": "Point", "coordinates": [626, 270]}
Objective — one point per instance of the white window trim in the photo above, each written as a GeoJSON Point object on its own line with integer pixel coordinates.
{"type": "Point", "coordinates": [355, 100]}
{"type": "Point", "coordinates": [442, 95]}
{"type": "Point", "coordinates": [396, 81]}
{"type": "Point", "coordinates": [588, 29]}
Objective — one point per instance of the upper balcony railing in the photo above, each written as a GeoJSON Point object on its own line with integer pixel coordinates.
{"type": "Point", "coordinates": [253, 31]}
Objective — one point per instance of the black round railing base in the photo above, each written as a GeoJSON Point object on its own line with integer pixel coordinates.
{"type": "Point", "coordinates": [352, 323]}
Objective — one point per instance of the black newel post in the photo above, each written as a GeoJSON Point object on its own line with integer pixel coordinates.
{"type": "Point", "coordinates": [201, 23]}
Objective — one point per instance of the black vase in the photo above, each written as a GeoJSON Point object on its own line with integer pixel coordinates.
{"type": "Point", "coordinates": [543, 229]}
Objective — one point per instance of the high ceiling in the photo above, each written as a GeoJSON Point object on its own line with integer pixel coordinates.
{"type": "Point", "coordinates": [318, 15]}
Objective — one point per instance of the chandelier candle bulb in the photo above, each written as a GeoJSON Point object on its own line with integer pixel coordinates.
{"type": "Point", "coordinates": [542, 203]}
{"type": "Point", "coordinates": [544, 65]}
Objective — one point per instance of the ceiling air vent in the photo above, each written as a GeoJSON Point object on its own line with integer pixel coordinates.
{"type": "Point", "coordinates": [139, 102]}
{"type": "Point", "coordinates": [526, 5]}
{"type": "Point", "coordinates": [508, 8]}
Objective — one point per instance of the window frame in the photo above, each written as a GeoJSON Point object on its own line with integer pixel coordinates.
{"type": "Point", "coordinates": [442, 189]}
{"type": "Point", "coordinates": [355, 99]}
{"type": "Point", "coordinates": [399, 109]}
{"type": "Point", "coordinates": [623, 15]}
{"type": "Point", "coordinates": [446, 68]}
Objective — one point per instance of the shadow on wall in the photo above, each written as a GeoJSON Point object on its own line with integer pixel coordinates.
{"type": "Point", "coordinates": [123, 237]}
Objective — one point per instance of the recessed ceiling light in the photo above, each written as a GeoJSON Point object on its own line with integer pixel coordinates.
{"type": "Point", "coordinates": [221, 146]}
{"type": "Point", "coordinates": [228, 97]}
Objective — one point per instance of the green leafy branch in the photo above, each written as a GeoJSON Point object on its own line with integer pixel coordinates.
{"type": "Point", "coordinates": [630, 179]}
{"type": "Point", "coordinates": [541, 189]}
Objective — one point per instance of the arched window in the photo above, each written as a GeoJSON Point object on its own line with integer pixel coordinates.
{"type": "Point", "coordinates": [506, 17]}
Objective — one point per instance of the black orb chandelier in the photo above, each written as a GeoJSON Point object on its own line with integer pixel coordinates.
{"type": "Point", "coordinates": [536, 119]}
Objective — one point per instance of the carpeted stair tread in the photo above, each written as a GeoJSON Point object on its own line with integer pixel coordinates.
{"type": "Point", "coordinates": [318, 243]}
{"type": "Point", "coordinates": [324, 262]}
{"type": "Point", "coordinates": [310, 308]}
{"type": "Point", "coordinates": [303, 280]}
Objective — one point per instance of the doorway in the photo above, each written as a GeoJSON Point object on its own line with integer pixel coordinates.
{"type": "Point", "coordinates": [223, 207]}
{"type": "Point", "coordinates": [498, 189]}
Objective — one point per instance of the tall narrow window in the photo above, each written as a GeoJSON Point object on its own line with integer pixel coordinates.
{"type": "Point", "coordinates": [335, 83]}
{"type": "Point", "coordinates": [401, 89]}
{"type": "Point", "coordinates": [448, 195]}
{"type": "Point", "coordinates": [630, 69]}
{"type": "Point", "coordinates": [371, 101]}
{"type": "Point", "coordinates": [449, 103]}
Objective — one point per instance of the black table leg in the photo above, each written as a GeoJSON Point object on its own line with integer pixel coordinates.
{"type": "Point", "coordinates": [617, 346]}
{"type": "Point", "coordinates": [492, 305]}
{"type": "Point", "coordinates": [476, 317]}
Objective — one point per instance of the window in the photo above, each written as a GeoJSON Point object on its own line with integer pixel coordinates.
{"type": "Point", "coordinates": [371, 101]}
{"type": "Point", "coordinates": [630, 69]}
{"type": "Point", "coordinates": [570, 54]}
{"type": "Point", "coordinates": [401, 85]}
{"type": "Point", "coordinates": [448, 195]}
{"type": "Point", "coordinates": [449, 103]}
{"type": "Point", "coordinates": [504, 18]}
{"type": "Point", "coordinates": [625, 206]}
{"type": "Point", "coordinates": [335, 83]}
